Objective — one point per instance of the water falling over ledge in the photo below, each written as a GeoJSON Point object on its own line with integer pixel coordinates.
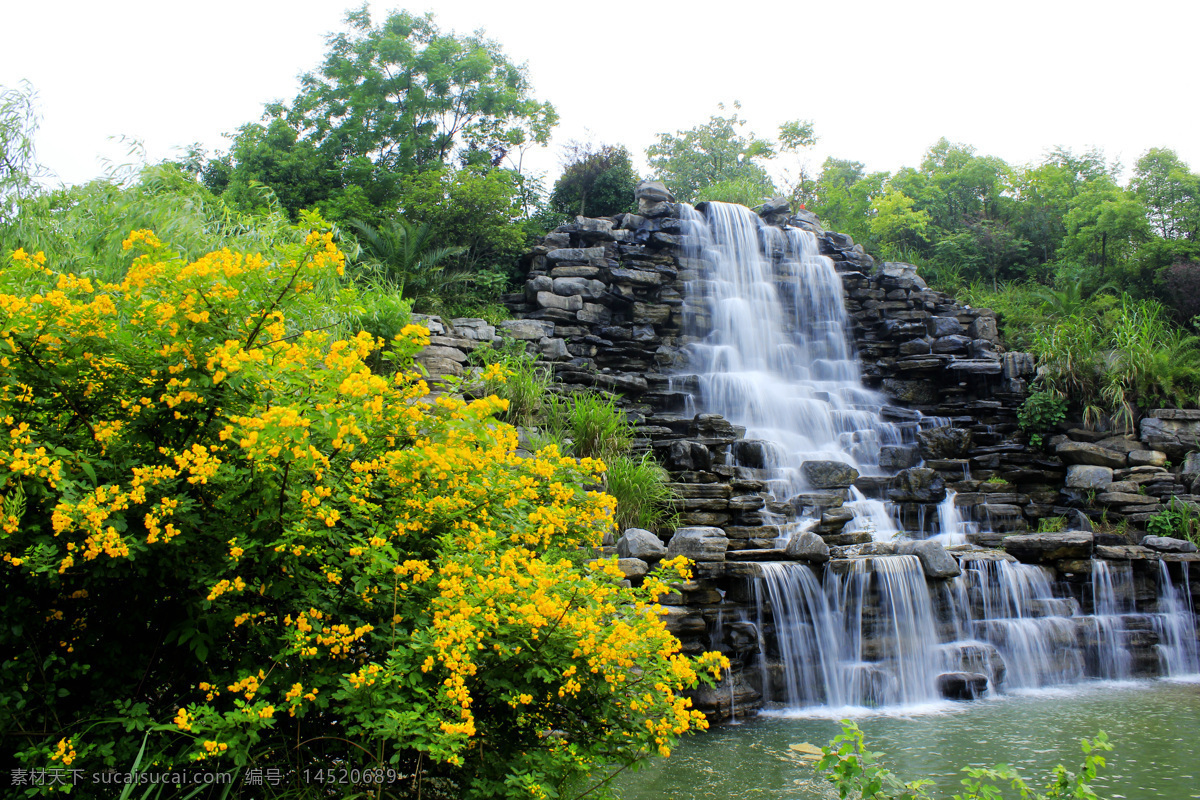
{"type": "Point", "coordinates": [769, 349]}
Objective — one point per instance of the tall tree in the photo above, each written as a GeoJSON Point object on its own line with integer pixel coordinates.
{"type": "Point", "coordinates": [719, 151]}
{"type": "Point", "coordinates": [1104, 226]}
{"type": "Point", "coordinates": [390, 100]}
{"type": "Point", "coordinates": [18, 167]}
{"type": "Point", "coordinates": [597, 179]}
{"type": "Point", "coordinates": [1170, 192]}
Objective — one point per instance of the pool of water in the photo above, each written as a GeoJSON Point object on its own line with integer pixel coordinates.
{"type": "Point", "coordinates": [1154, 727]}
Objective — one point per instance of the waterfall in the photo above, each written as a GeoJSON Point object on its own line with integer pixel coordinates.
{"type": "Point", "coordinates": [863, 639]}
{"type": "Point", "coordinates": [1014, 608]}
{"type": "Point", "coordinates": [772, 353]}
{"type": "Point", "coordinates": [952, 528]}
{"type": "Point", "coordinates": [1113, 612]}
{"type": "Point", "coordinates": [768, 347]}
{"type": "Point", "coordinates": [1175, 622]}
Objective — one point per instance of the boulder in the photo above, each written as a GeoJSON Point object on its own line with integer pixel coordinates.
{"type": "Point", "coordinates": [898, 456]}
{"type": "Point", "coordinates": [639, 543]}
{"type": "Point", "coordinates": [633, 567]}
{"type": "Point", "coordinates": [944, 326]}
{"type": "Point", "coordinates": [1042, 547]}
{"type": "Point", "coordinates": [1166, 544]}
{"type": "Point", "coordinates": [1173, 431]}
{"type": "Point", "coordinates": [553, 349]}
{"type": "Point", "coordinates": [807, 546]}
{"type": "Point", "coordinates": [962, 685]}
{"type": "Point", "coordinates": [936, 562]}
{"type": "Point", "coordinates": [828, 474]}
{"type": "Point", "coordinates": [1085, 453]}
{"type": "Point", "coordinates": [900, 275]}
{"type": "Point", "coordinates": [653, 191]}
{"type": "Point", "coordinates": [699, 543]}
{"type": "Point", "coordinates": [917, 485]}
{"type": "Point", "coordinates": [945, 442]}
{"type": "Point", "coordinates": [1087, 476]}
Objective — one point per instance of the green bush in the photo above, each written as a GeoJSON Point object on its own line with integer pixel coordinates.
{"type": "Point", "coordinates": [1040, 412]}
{"type": "Point", "coordinates": [854, 770]}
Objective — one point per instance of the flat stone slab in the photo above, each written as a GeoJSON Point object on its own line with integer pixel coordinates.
{"type": "Point", "coordinates": [1041, 547]}
{"type": "Point", "coordinates": [1125, 552]}
{"type": "Point", "coordinates": [699, 543]}
{"type": "Point", "coordinates": [1166, 544]}
{"type": "Point", "coordinates": [772, 554]}
{"type": "Point", "coordinates": [1086, 453]}
{"type": "Point", "coordinates": [980, 554]}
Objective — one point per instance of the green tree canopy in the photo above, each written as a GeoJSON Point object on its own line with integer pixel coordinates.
{"type": "Point", "coordinates": [390, 100]}
{"type": "Point", "coordinates": [720, 152]}
{"type": "Point", "coordinates": [1170, 192]}
{"type": "Point", "coordinates": [1104, 225]}
{"type": "Point", "coordinates": [597, 180]}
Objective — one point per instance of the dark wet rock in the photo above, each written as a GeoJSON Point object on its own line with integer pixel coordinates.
{"type": "Point", "coordinates": [962, 685]}
{"type": "Point", "coordinates": [944, 442]}
{"type": "Point", "coordinates": [828, 474]}
{"type": "Point", "coordinates": [917, 485]}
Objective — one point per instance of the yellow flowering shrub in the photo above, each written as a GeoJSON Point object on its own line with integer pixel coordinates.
{"type": "Point", "coordinates": [223, 535]}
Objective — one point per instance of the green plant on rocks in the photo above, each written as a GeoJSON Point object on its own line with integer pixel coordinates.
{"type": "Point", "coordinates": [643, 496]}
{"type": "Point", "coordinates": [1179, 520]}
{"type": "Point", "coordinates": [1040, 412]}
{"type": "Point", "coordinates": [1052, 524]}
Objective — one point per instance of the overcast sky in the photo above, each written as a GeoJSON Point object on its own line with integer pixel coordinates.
{"type": "Point", "coordinates": [881, 80]}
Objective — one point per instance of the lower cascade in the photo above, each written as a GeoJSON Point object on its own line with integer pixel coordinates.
{"type": "Point", "coordinates": [874, 633]}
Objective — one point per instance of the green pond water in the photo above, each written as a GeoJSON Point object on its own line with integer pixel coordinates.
{"type": "Point", "coordinates": [1154, 727]}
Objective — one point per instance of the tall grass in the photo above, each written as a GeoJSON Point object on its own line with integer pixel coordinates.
{"type": "Point", "coordinates": [640, 486]}
{"type": "Point", "coordinates": [1113, 366]}
{"type": "Point", "coordinates": [596, 427]}
{"type": "Point", "coordinates": [523, 381]}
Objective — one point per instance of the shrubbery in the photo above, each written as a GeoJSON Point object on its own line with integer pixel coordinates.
{"type": "Point", "coordinates": [226, 539]}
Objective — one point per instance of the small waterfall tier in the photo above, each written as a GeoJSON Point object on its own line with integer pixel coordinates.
{"type": "Point", "coordinates": [769, 349]}
{"type": "Point", "coordinates": [873, 633]}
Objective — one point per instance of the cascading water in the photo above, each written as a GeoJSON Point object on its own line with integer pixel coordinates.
{"type": "Point", "coordinates": [1178, 646]}
{"type": "Point", "coordinates": [770, 351]}
{"type": "Point", "coordinates": [866, 638]}
{"type": "Point", "coordinates": [775, 356]}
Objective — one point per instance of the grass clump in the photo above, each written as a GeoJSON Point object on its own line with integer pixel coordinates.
{"type": "Point", "coordinates": [643, 496]}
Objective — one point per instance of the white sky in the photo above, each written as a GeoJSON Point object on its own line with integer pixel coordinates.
{"type": "Point", "coordinates": [882, 80]}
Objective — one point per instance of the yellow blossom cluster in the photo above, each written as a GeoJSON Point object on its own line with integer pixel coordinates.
{"type": "Point", "coordinates": [317, 525]}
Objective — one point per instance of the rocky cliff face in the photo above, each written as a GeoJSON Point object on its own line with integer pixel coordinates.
{"type": "Point", "coordinates": [603, 304]}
